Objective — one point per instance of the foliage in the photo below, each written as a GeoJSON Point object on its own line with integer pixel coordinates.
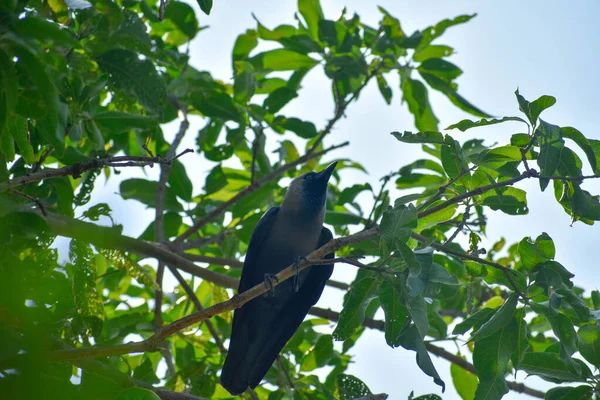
{"type": "Point", "coordinates": [84, 81]}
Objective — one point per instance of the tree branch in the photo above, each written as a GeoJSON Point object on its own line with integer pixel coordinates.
{"type": "Point", "coordinates": [253, 187]}
{"type": "Point", "coordinates": [159, 234]}
{"type": "Point", "coordinates": [76, 170]}
{"type": "Point", "coordinates": [238, 300]}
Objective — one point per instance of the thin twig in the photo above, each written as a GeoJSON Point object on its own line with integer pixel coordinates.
{"type": "Point", "coordinates": [285, 372]}
{"type": "Point", "coordinates": [253, 187]}
{"type": "Point", "coordinates": [35, 200]}
{"type": "Point", "coordinates": [441, 190]}
{"type": "Point", "coordinates": [385, 179]}
{"type": "Point", "coordinates": [161, 10]}
{"type": "Point", "coordinates": [159, 234]}
{"type": "Point", "coordinates": [460, 226]}
{"type": "Point", "coordinates": [76, 170]}
{"type": "Point", "coordinates": [258, 131]}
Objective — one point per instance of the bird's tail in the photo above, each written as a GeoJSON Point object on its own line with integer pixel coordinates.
{"type": "Point", "coordinates": [231, 377]}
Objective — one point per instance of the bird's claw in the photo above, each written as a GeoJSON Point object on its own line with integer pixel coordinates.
{"type": "Point", "coordinates": [269, 284]}
{"type": "Point", "coordinates": [297, 275]}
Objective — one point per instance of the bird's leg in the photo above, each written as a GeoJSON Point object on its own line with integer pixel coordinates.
{"type": "Point", "coordinates": [297, 275]}
{"type": "Point", "coordinates": [269, 284]}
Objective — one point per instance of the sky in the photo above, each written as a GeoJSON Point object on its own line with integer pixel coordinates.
{"type": "Point", "coordinates": [542, 47]}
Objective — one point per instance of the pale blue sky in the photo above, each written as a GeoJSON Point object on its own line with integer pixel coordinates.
{"type": "Point", "coordinates": [542, 47]}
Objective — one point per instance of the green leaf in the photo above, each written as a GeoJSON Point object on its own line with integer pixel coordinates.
{"type": "Point", "coordinates": [244, 84]}
{"type": "Point", "coordinates": [453, 159]}
{"type": "Point", "coordinates": [570, 393]}
{"type": "Point", "coordinates": [352, 315]}
{"type": "Point", "coordinates": [115, 122]}
{"type": "Point", "coordinates": [397, 224]}
{"type": "Point", "coordinates": [476, 318]}
{"type": "Point", "coordinates": [64, 194]}
{"type": "Point", "coordinates": [396, 313]}
{"type": "Point", "coordinates": [144, 191]}
{"type": "Point", "coordinates": [136, 393]}
{"type": "Point", "coordinates": [43, 30]}
{"type": "Point", "coordinates": [415, 94]}
{"type": "Point", "coordinates": [145, 372]}
{"type": "Point", "coordinates": [419, 137]}
{"type": "Point", "coordinates": [216, 104]}
{"type": "Point", "coordinates": [244, 44]}
{"type": "Point", "coordinates": [443, 69]}
{"type": "Point", "coordinates": [509, 200]}
{"type": "Point", "coordinates": [7, 144]}
{"type": "Point", "coordinates": [449, 91]}
{"type": "Point", "coordinates": [491, 357]}
{"type": "Point", "coordinates": [172, 223]}
{"type": "Point", "coordinates": [584, 144]}
{"type": "Point", "coordinates": [411, 339]}
{"type": "Point", "coordinates": [589, 343]}
{"type": "Point", "coordinates": [384, 89]}
{"type": "Point", "coordinates": [534, 109]}
{"type": "Point", "coordinates": [282, 60]}
{"type": "Point", "coordinates": [179, 181]}
{"type": "Point", "coordinates": [464, 381]}
{"type": "Point", "coordinates": [312, 13]}
{"type": "Point", "coordinates": [136, 77]}
{"type": "Point", "coordinates": [437, 217]}
{"type": "Point", "coordinates": [551, 145]}
{"type": "Point", "coordinates": [499, 156]}
{"type": "Point", "coordinates": [9, 81]}
{"type": "Point", "coordinates": [537, 106]}
{"type": "Point", "coordinates": [522, 338]}
{"type": "Point", "coordinates": [539, 251]}
{"type": "Point", "coordinates": [432, 51]}
{"type": "Point", "coordinates": [205, 6]}
{"type": "Point", "coordinates": [468, 124]}
{"type": "Point", "coordinates": [422, 164]}
{"type": "Point", "coordinates": [304, 129]}
{"type": "Point", "coordinates": [36, 72]}
{"type": "Point", "coordinates": [585, 205]}
{"type": "Point", "coordinates": [279, 98]}
{"type": "Point", "coordinates": [550, 367]}
{"type": "Point", "coordinates": [413, 181]}
{"type": "Point", "coordinates": [433, 32]}
{"type": "Point", "coordinates": [349, 387]}
{"type": "Point", "coordinates": [564, 331]}
{"type": "Point", "coordinates": [337, 218]}
{"type": "Point", "coordinates": [319, 355]}
{"type": "Point", "coordinates": [500, 318]}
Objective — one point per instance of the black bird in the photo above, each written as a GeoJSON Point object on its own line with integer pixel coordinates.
{"type": "Point", "coordinates": [283, 235]}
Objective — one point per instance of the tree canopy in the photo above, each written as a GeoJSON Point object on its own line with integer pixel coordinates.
{"type": "Point", "coordinates": [86, 90]}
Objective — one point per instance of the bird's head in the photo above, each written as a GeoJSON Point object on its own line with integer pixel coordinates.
{"type": "Point", "coordinates": [308, 192]}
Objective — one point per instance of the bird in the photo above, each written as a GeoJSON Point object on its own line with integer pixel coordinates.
{"type": "Point", "coordinates": [284, 235]}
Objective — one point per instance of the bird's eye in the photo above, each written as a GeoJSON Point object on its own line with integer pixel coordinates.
{"type": "Point", "coordinates": [309, 176]}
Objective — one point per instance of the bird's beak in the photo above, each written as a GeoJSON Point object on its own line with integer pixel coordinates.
{"type": "Point", "coordinates": [324, 175]}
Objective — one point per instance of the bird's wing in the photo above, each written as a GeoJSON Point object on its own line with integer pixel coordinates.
{"type": "Point", "coordinates": [249, 278]}
{"type": "Point", "coordinates": [242, 326]}
{"type": "Point", "coordinates": [291, 316]}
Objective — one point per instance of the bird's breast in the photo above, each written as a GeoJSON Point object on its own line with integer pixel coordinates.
{"type": "Point", "coordinates": [291, 238]}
